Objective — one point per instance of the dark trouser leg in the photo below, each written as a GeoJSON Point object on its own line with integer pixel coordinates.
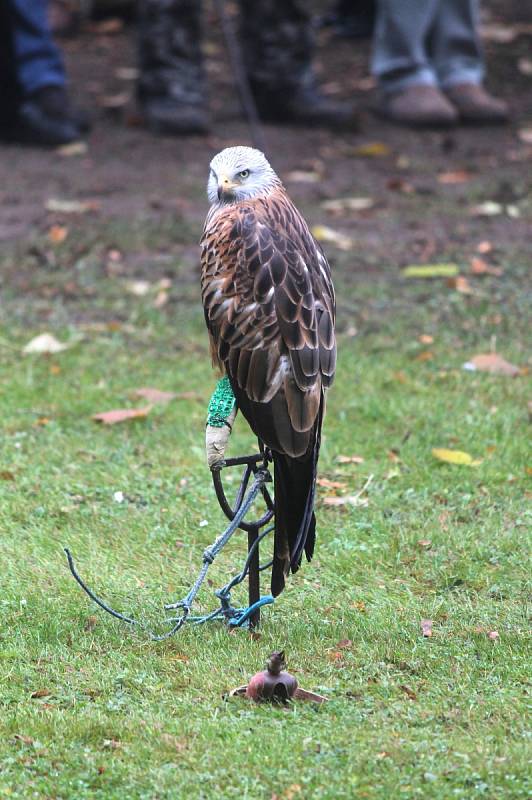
{"type": "Point", "coordinates": [171, 87]}
{"type": "Point", "coordinates": [38, 60]}
{"type": "Point", "coordinates": [277, 46]}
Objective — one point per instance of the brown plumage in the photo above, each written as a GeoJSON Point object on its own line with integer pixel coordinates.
{"type": "Point", "coordinates": [270, 311]}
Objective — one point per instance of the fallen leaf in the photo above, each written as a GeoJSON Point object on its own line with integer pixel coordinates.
{"type": "Point", "coordinates": [400, 185]}
{"type": "Point", "coordinates": [458, 176]}
{"type": "Point", "coordinates": [410, 693]}
{"type": "Point", "coordinates": [430, 271]}
{"type": "Point", "coordinates": [426, 544]}
{"type": "Point", "coordinates": [481, 267]}
{"type": "Point", "coordinates": [493, 635]}
{"type": "Point", "coordinates": [487, 209]}
{"type": "Point", "coordinates": [460, 284]}
{"type": "Point", "coordinates": [426, 627]}
{"type": "Point", "coordinates": [344, 644]}
{"type": "Point", "coordinates": [350, 459]}
{"type": "Point", "coordinates": [327, 484]}
{"type": "Point", "coordinates": [107, 27]}
{"type": "Point", "coordinates": [44, 343]}
{"type": "Point", "coordinates": [525, 135]}
{"type": "Point", "coordinates": [90, 623]}
{"type": "Point", "coordinates": [154, 395]}
{"type": "Point", "coordinates": [335, 655]}
{"type": "Point", "coordinates": [360, 606]}
{"type": "Point", "coordinates": [112, 744]}
{"type": "Point", "coordinates": [496, 32]}
{"type": "Point", "coordinates": [426, 355]}
{"type": "Point", "coordinates": [454, 456]}
{"type": "Point", "coordinates": [71, 206]}
{"type": "Point", "coordinates": [40, 693]}
{"type": "Point", "coordinates": [6, 475]}
{"type": "Point", "coordinates": [57, 234]}
{"type": "Point", "coordinates": [324, 234]}
{"type": "Point", "coordinates": [484, 247]}
{"type": "Point", "coordinates": [114, 102]}
{"type": "Point", "coordinates": [121, 415]}
{"type": "Point", "coordinates": [161, 299]}
{"type": "Point", "coordinates": [346, 499]}
{"type": "Point", "coordinates": [303, 176]}
{"type": "Point", "coordinates": [138, 288]}
{"type": "Point", "coordinates": [425, 338]}
{"type": "Point", "coordinates": [348, 204]}
{"type": "Point", "coordinates": [371, 150]}
{"type": "Point", "coordinates": [72, 149]}
{"type": "Point", "coordinates": [493, 363]}
{"type": "Point", "coordinates": [19, 737]}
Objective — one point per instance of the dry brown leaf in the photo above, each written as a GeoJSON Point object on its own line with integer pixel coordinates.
{"type": "Point", "coordinates": [112, 744]}
{"type": "Point", "coordinates": [57, 234]}
{"type": "Point", "coordinates": [458, 176]}
{"type": "Point", "coordinates": [425, 338]}
{"type": "Point", "coordinates": [426, 355]}
{"type": "Point", "coordinates": [6, 475]}
{"type": "Point", "coordinates": [40, 693]}
{"type": "Point", "coordinates": [400, 185]}
{"type": "Point", "coordinates": [426, 627]}
{"type": "Point", "coordinates": [484, 247]}
{"type": "Point", "coordinates": [154, 395]}
{"type": "Point", "coordinates": [121, 415]}
{"type": "Point", "coordinates": [410, 693]}
{"type": "Point", "coordinates": [90, 623]}
{"type": "Point", "coordinates": [107, 27]}
{"type": "Point", "coordinates": [493, 635]}
{"type": "Point", "coordinates": [461, 284]}
{"type": "Point", "coordinates": [19, 737]}
{"type": "Point", "coordinates": [350, 459]}
{"type": "Point", "coordinates": [344, 644]}
{"type": "Point", "coordinates": [493, 363]}
{"type": "Point", "coordinates": [327, 484]}
{"type": "Point", "coordinates": [481, 267]}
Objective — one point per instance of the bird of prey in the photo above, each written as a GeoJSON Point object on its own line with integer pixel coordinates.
{"type": "Point", "coordinates": [270, 312]}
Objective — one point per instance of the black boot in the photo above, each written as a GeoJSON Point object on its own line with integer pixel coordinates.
{"type": "Point", "coordinates": [302, 105]}
{"type": "Point", "coordinates": [277, 45]}
{"type": "Point", "coordinates": [46, 117]}
{"type": "Point", "coordinates": [171, 88]}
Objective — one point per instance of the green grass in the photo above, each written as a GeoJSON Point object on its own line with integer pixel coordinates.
{"type": "Point", "coordinates": [125, 717]}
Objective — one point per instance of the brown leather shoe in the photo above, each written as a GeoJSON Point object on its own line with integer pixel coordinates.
{"type": "Point", "coordinates": [475, 104]}
{"type": "Point", "coordinates": [419, 106]}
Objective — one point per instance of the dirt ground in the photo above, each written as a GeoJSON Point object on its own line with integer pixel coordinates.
{"type": "Point", "coordinates": [130, 174]}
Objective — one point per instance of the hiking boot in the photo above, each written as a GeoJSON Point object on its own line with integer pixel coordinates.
{"type": "Point", "coordinates": [302, 105]}
{"type": "Point", "coordinates": [419, 106]}
{"type": "Point", "coordinates": [474, 104]}
{"type": "Point", "coordinates": [165, 116]}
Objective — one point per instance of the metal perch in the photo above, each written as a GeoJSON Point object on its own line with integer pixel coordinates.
{"type": "Point", "coordinates": [256, 465]}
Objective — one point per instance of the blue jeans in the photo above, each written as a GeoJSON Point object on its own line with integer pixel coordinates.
{"type": "Point", "coordinates": [432, 42]}
{"type": "Point", "coordinates": [38, 61]}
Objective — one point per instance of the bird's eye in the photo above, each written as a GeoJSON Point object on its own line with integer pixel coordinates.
{"type": "Point", "coordinates": [244, 173]}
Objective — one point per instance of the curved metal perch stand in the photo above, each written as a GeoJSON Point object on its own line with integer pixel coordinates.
{"type": "Point", "coordinates": [256, 465]}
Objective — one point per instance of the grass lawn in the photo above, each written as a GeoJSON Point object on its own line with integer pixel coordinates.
{"type": "Point", "coordinates": [94, 709]}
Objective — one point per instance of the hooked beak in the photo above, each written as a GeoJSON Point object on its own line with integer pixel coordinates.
{"type": "Point", "coordinates": [225, 188]}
